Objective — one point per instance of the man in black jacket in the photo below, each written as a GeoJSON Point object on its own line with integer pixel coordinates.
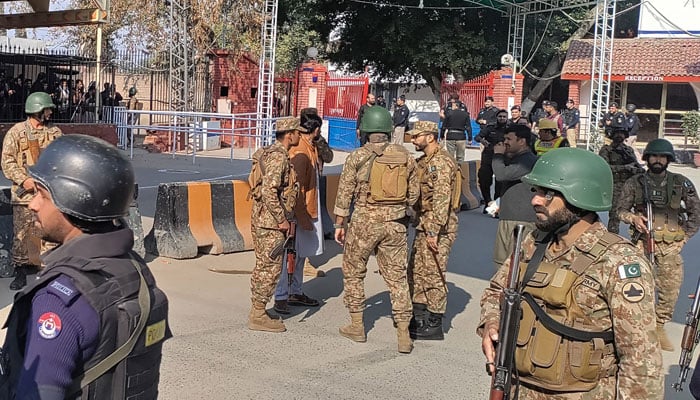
{"type": "Point", "coordinates": [488, 137]}
{"type": "Point", "coordinates": [400, 119]}
{"type": "Point", "coordinates": [456, 129]}
{"type": "Point", "coordinates": [370, 103]}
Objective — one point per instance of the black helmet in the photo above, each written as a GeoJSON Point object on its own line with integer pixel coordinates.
{"type": "Point", "coordinates": [88, 178]}
{"type": "Point", "coordinates": [631, 107]}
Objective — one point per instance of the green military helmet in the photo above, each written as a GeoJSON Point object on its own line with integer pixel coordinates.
{"type": "Point", "coordinates": [661, 147]}
{"type": "Point", "coordinates": [583, 178]}
{"type": "Point", "coordinates": [37, 102]}
{"type": "Point", "coordinates": [376, 119]}
{"type": "Point", "coordinates": [132, 91]}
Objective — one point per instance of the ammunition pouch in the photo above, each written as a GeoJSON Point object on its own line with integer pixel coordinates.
{"type": "Point", "coordinates": [559, 348]}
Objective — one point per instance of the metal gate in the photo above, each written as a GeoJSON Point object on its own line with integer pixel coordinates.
{"type": "Point", "coordinates": [344, 97]}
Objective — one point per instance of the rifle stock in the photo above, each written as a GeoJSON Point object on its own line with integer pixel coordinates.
{"type": "Point", "coordinates": [508, 327]}
{"type": "Point", "coordinates": [690, 340]}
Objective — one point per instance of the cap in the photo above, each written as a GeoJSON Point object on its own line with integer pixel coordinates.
{"type": "Point", "coordinates": [289, 124]}
{"type": "Point", "coordinates": [570, 101]}
{"type": "Point", "coordinates": [614, 104]}
{"type": "Point", "coordinates": [402, 97]}
{"type": "Point", "coordinates": [545, 123]}
{"type": "Point", "coordinates": [515, 108]}
{"type": "Point", "coordinates": [424, 127]}
{"type": "Point", "coordinates": [546, 103]}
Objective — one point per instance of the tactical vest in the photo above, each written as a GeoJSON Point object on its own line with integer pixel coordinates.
{"type": "Point", "coordinates": [555, 356]}
{"type": "Point", "coordinates": [542, 147]}
{"type": "Point", "coordinates": [111, 288]}
{"type": "Point", "coordinates": [668, 216]}
{"type": "Point", "coordinates": [288, 189]}
{"type": "Point", "coordinates": [29, 144]}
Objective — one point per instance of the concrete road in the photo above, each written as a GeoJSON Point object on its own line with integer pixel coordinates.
{"type": "Point", "coordinates": [214, 356]}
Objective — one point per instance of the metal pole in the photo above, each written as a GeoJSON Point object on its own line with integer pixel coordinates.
{"type": "Point", "coordinates": [98, 79]}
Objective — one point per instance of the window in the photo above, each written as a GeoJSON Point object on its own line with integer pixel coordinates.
{"type": "Point", "coordinates": [644, 95]}
{"type": "Point", "coordinates": [681, 97]}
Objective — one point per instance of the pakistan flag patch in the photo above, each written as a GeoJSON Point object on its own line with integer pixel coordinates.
{"type": "Point", "coordinates": [629, 271]}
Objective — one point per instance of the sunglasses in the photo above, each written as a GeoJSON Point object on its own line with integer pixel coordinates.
{"type": "Point", "coordinates": [548, 194]}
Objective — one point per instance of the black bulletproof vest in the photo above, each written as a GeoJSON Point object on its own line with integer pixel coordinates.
{"type": "Point", "coordinates": [110, 286]}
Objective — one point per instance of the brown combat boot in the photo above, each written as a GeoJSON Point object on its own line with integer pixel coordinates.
{"type": "Point", "coordinates": [664, 341]}
{"type": "Point", "coordinates": [259, 320]}
{"type": "Point", "coordinates": [356, 330]}
{"type": "Point", "coordinates": [405, 342]}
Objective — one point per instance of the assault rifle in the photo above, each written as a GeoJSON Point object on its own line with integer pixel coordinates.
{"type": "Point", "coordinates": [651, 244]}
{"type": "Point", "coordinates": [288, 247]}
{"type": "Point", "coordinates": [508, 326]}
{"type": "Point", "coordinates": [691, 336]}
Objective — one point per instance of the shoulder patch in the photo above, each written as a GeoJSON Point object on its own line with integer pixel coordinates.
{"type": "Point", "coordinates": [688, 185]}
{"type": "Point", "coordinates": [63, 288]}
{"type": "Point", "coordinates": [49, 325]}
{"type": "Point", "coordinates": [629, 271]}
{"type": "Point", "coordinates": [633, 292]}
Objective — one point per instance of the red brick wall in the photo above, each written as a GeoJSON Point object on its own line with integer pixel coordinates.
{"type": "Point", "coordinates": [575, 91]}
{"type": "Point", "coordinates": [103, 131]}
{"type": "Point", "coordinates": [240, 79]}
{"type": "Point", "coordinates": [307, 74]}
{"type": "Point", "coordinates": [503, 87]}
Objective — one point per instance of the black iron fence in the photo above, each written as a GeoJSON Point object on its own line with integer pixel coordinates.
{"type": "Point", "coordinates": [70, 77]}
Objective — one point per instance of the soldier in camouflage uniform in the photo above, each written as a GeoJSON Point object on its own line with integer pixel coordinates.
{"type": "Point", "coordinates": [379, 222]}
{"type": "Point", "coordinates": [436, 231]}
{"type": "Point", "coordinates": [672, 197]}
{"type": "Point", "coordinates": [624, 165]}
{"type": "Point", "coordinates": [271, 214]}
{"type": "Point", "coordinates": [594, 284]}
{"type": "Point", "coordinates": [21, 148]}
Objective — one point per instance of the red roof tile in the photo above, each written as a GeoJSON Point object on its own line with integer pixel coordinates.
{"type": "Point", "coordinates": [638, 57]}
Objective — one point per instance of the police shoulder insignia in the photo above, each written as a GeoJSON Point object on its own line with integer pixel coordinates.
{"type": "Point", "coordinates": [633, 292]}
{"type": "Point", "coordinates": [629, 271]}
{"type": "Point", "coordinates": [49, 325]}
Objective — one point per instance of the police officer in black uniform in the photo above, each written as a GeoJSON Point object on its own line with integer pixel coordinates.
{"type": "Point", "coordinates": [456, 128]}
{"type": "Point", "coordinates": [614, 117]}
{"type": "Point", "coordinates": [488, 137]}
{"type": "Point", "coordinates": [92, 325]}
{"type": "Point", "coordinates": [487, 115]}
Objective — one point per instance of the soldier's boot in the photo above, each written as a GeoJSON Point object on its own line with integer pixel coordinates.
{"type": "Point", "coordinates": [664, 341]}
{"type": "Point", "coordinates": [432, 330]}
{"type": "Point", "coordinates": [404, 339]}
{"type": "Point", "coordinates": [20, 280]}
{"type": "Point", "coordinates": [259, 320]}
{"type": "Point", "coordinates": [420, 314]}
{"type": "Point", "coordinates": [356, 330]}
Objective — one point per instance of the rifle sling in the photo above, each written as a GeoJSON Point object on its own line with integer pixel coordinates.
{"type": "Point", "coordinates": [536, 259]}
{"type": "Point", "coordinates": [557, 327]}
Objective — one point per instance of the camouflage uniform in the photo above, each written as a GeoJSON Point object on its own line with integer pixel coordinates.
{"type": "Point", "coordinates": [624, 165]}
{"type": "Point", "coordinates": [614, 301]}
{"type": "Point", "coordinates": [671, 229]}
{"type": "Point", "coordinates": [16, 157]}
{"type": "Point", "coordinates": [426, 269]}
{"type": "Point", "coordinates": [379, 227]}
{"type": "Point", "coordinates": [268, 212]}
